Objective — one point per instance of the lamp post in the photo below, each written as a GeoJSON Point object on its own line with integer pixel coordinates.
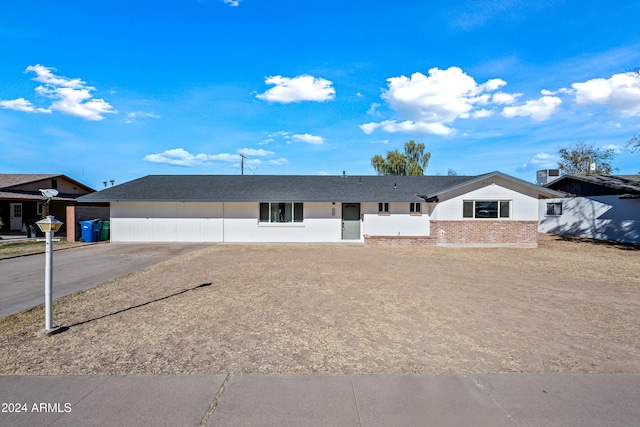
{"type": "Point", "coordinates": [48, 226]}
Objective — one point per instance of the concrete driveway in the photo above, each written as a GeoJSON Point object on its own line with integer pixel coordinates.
{"type": "Point", "coordinates": [22, 279]}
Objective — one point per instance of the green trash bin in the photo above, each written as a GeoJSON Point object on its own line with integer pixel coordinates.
{"type": "Point", "coordinates": [104, 231]}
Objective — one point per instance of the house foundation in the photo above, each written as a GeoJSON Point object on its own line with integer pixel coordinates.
{"type": "Point", "coordinates": [467, 233]}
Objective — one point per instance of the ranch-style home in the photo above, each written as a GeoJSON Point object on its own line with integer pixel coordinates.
{"type": "Point", "coordinates": [492, 209]}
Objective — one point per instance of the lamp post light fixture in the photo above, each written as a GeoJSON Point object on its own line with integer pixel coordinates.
{"type": "Point", "coordinates": [48, 226]}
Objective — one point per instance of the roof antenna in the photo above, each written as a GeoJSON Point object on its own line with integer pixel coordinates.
{"type": "Point", "coordinates": [242, 165]}
{"type": "Point", "coordinates": [344, 174]}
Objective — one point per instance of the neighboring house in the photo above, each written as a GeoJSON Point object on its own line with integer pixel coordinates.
{"type": "Point", "coordinates": [598, 207]}
{"type": "Point", "coordinates": [491, 209]}
{"type": "Point", "coordinates": [21, 201]}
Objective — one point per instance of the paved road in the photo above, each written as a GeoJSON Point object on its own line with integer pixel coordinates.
{"type": "Point", "coordinates": [323, 400]}
{"type": "Point", "coordinates": [22, 279]}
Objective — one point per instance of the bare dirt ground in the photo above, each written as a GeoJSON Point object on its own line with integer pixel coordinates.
{"type": "Point", "coordinates": [567, 306]}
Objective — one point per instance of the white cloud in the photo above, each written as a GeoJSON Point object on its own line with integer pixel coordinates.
{"type": "Point", "coordinates": [70, 96]}
{"type": "Point", "coordinates": [481, 114]}
{"type": "Point", "coordinates": [493, 84]}
{"type": "Point", "coordinates": [309, 139]}
{"type": "Point", "coordinates": [410, 127]}
{"type": "Point", "coordinates": [132, 116]}
{"type": "Point", "coordinates": [505, 98]}
{"type": "Point", "coordinates": [373, 109]}
{"type": "Point", "coordinates": [296, 89]}
{"type": "Point", "coordinates": [539, 110]}
{"type": "Point", "coordinates": [181, 157]}
{"type": "Point", "coordinates": [254, 152]}
{"type": "Point", "coordinates": [234, 3]}
{"type": "Point", "coordinates": [45, 75]}
{"type": "Point", "coordinates": [369, 128]}
{"type": "Point", "coordinates": [278, 162]}
{"type": "Point", "coordinates": [621, 92]}
{"type": "Point", "coordinates": [441, 97]}
{"type": "Point", "coordinates": [540, 161]}
{"type": "Point", "coordinates": [23, 105]}
{"type": "Point", "coordinates": [428, 104]}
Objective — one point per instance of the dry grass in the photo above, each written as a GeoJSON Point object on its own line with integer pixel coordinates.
{"type": "Point", "coordinates": [11, 249]}
{"type": "Point", "coordinates": [568, 306]}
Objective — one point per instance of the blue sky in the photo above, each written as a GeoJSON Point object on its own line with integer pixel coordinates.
{"type": "Point", "coordinates": [115, 90]}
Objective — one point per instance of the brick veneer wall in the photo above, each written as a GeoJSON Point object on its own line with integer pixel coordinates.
{"type": "Point", "coordinates": [485, 232]}
{"type": "Point", "coordinates": [467, 233]}
{"type": "Point", "coordinates": [400, 240]}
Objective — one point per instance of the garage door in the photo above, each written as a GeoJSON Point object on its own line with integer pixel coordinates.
{"type": "Point", "coordinates": [166, 222]}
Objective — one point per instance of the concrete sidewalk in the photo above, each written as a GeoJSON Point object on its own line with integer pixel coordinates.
{"type": "Point", "coordinates": [323, 400]}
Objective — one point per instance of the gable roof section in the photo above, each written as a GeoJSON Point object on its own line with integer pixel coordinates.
{"type": "Point", "coordinates": [284, 188]}
{"type": "Point", "coordinates": [473, 180]}
{"type": "Point", "coordinates": [596, 185]}
{"type": "Point", "coordinates": [9, 182]}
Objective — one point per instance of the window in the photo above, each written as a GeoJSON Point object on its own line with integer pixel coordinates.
{"type": "Point", "coordinates": [281, 212]}
{"type": "Point", "coordinates": [415, 208]}
{"type": "Point", "coordinates": [486, 209]}
{"type": "Point", "coordinates": [383, 208]}
{"type": "Point", "coordinates": [554, 209]}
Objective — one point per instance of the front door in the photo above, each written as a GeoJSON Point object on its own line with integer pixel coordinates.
{"type": "Point", "coordinates": [351, 221]}
{"type": "Point", "coordinates": [16, 216]}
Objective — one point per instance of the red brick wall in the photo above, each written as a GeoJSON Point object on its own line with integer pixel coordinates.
{"type": "Point", "coordinates": [485, 232]}
{"type": "Point", "coordinates": [467, 233]}
{"type": "Point", "coordinates": [400, 240]}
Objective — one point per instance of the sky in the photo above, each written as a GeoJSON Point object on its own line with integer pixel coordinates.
{"type": "Point", "coordinates": [115, 90]}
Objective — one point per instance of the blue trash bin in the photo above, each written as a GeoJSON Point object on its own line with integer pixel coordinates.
{"type": "Point", "coordinates": [91, 230]}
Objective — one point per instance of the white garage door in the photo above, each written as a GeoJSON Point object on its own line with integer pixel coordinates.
{"type": "Point", "coordinates": [166, 222]}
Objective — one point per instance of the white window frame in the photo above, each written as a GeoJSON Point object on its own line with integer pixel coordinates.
{"type": "Point", "coordinates": [415, 208]}
{"type": "Point", "coordinates": [499, 210]}
{"type": "Point", "coordinates": [383, 208]}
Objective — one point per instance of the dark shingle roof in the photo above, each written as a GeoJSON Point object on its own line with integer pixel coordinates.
{"type": "Point", "coordinates": [8, 180]}
{"type": "Point", "coordinates": [619, 184]}
{"type": "Point", "coordinates": [10, 186]}
{"type": "Point", "coordinates": [281, 188]}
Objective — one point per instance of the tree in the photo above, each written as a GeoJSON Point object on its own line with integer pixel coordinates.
{"type": "Point", "coordinates": [412, 162]}
{"type": "Point", "coordinates": [583, 159]}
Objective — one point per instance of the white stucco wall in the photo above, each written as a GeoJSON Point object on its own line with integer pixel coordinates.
{"type": "Point", "coordinates": [524, 206]}
{"type": "Point", "coordinates": [319, 225]}
{"type": "Point", "coordinates": [218, 222]}
{"type": "Point", "coordinates": [399, 221]}
{"type": "Point", "coordinates": [602, 217]}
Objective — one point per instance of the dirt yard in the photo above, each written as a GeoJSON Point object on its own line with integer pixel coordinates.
{"type": "Point", "coordinates": [567, 306]}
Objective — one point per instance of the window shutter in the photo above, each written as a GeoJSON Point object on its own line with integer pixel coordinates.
{"type": "Point", "coordinates": [264, 212]}
{"type": "Point", "coordinates": [505, 209]}
{"type": "Point", "coordinates": [467, 209]}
